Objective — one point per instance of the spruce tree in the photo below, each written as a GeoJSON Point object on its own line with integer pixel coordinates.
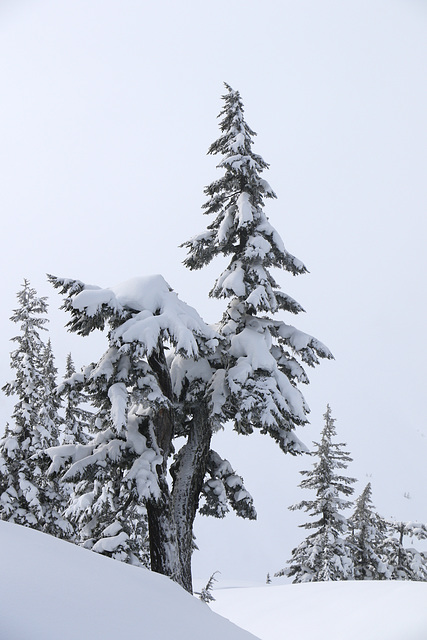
{"type": "Point", "coordinates": [367, 539]}
{"type": "Point", "coordinates": [26, 496]}
{"type": "Point", "coordinates": [324, 555]}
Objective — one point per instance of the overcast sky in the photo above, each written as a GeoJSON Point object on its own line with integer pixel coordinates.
{"type": "Point", "coordinates": [106, 114]}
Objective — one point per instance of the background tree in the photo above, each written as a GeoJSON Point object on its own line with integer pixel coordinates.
{"type": "Point", "coordinates": [104, 517]}
{"type": "Point", "coordinates": [407, 562]}
{"type": "Point", "coordinates": [78, 418]}
{"type": "Point", "coordinates": [324, 554]}
{"type": "Point", "coordinates": [206, 593]}
{"type": "Point", "coordinates": [367, 539]}
{"type": "Point", "coordinates": [26, 496]}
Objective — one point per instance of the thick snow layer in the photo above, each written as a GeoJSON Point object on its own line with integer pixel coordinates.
{"type": "Point", "coordinates": [386, 610]}
{"type": "Point", "coordinates": [156, 308]}
{"type": "Point", "coordinates": [52, 589]}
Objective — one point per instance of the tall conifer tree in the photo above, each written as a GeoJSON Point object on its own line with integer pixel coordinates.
{"type": "Point", "coordinates": [256, 379]}
{"type": "Point", "coordinates": [167, 381]}
{"type": "Point", "coordinates": [367, 538]}
{"type": "Point", "coordinates": [26, 496]}
{"type": "Point", "coordinates": [324, 555]}
{"type": "Point", "coordinates": [78, 418]}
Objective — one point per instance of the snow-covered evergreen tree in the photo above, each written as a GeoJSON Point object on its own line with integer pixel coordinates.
{"type": "Point", "coordinates": [125, 465]}
{"type": "Point", "coordinates": [367, 538]}
{"type": "Point", "coordinates": [26, 496]}
{"type": "Point", "coordinates": [78, 419]}
{"type": "Point", "coordinates": [168, 381]}
{"type": "Point", "coordinates": [99, 506]}
{"type": "Point", "coordinates": [49, 417]}
{"type": "Point", "coordinates": [206, 593]}
{"type": "Point", "coordinates": [56, 493]}
{"type": "Point", "coordinates": [407, 562]}
{"type": "Point", "coordinates": [255, 383]}
{"type": "Point", "coordinates": [324, 554]}
{"type": "Point", "coordinates": [106, 519]}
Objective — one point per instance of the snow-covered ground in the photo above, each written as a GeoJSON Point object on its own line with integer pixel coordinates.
{"type": "Point", "coordinates": [387, 610]}
{"type": "Point", "coordinates": [53, 590]}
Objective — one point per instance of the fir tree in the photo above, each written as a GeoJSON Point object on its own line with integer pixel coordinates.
{"type": "Point", "coordinates": [56, 492]}
{"type": "Point", "coordinates": [104, 518]}
{"type": "Point", "coordinates": [324, 554]}
{"type": "Point", "coordinates": [167, 381]}
{"type": "Point", "coordinates": [206, 593]}
{"type": "Point", "coordinates": [78, 419]}
{"type": "Point", "coordinates": [368, 535]}
{"type": "Point", "coordinates": [255, 383]}
{"type": "Point", "coordinates": [407, 563]}
{"type": "Point", "coordinates": [107, 520]}
{"type": "Point", "coordinates": [125, 465]}
{"type": "Point", "coordinates": [26, 496]}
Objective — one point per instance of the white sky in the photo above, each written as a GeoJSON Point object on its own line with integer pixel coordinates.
{"type": "Point", "coordinates": [106, 114]}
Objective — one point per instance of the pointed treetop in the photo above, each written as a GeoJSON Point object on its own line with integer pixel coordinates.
{"type": "Point", "coordinates": [241, 229]}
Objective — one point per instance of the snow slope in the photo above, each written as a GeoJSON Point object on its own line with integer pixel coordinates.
{"type": "Point", "coordinates": [51, 590]}
{"type": "Point", "coordinates": [387, 610]}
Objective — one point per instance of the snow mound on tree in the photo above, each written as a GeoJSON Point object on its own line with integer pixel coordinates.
{"type": "Point", "coordinates": [156, 308]}
{"type": "Point", "coordinates": [52, 589]}
{"type": "Point", "coordinates": [382, 610]}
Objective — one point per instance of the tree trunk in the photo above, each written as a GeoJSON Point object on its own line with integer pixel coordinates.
{"type": "Point", "coordinates": [164, 421]}
{"type": "Point", "coordinates": [164, 548]}
{"type": "Point", "coordinates": [171, 518]}
{"type": "Point", "coordinates": [188, 475]}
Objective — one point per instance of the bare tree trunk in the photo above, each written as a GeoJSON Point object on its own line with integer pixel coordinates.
{"type": "Point", "coordinates": [164, 548]}
{"type": "Point", "coordinates": [188, 475]}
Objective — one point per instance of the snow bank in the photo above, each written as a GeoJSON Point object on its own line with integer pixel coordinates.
{"type": "Point", "coordinates": [386, 610]}
{"type": "Point", "coordinates": [51, 589]}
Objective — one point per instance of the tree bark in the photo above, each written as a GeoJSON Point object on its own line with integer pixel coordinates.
{"type": "Point", "coordinates": [164, 548]}
{"type": "Point", "coordinates": [171, 518]}
{"type": "Point", "coordinates": [188, 475]}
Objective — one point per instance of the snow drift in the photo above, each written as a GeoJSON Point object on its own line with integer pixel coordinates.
{"type": "Point", "coordinates": [52, 589]}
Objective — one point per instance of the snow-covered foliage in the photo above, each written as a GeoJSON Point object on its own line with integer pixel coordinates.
{"type": "Point", "coordinates": [27, 496]}
{"type": "Point", "coordinates": [123, 467]}
{"type": "Point", "coordinates": [167, 375]}
{"type": "Point", "coordinates": [256, 376]}
{"type": "Point", "coordinates": [107, 521]}
{"type": "Point", "coordinates": [78, 418]}
{"type": "Point", "coordinates": [324, 554]}
{"type": "Point", "coordinates": [367, 539]}
{"type": "Point", "coordinates": [406, 562]}
{"type": "Point", "coordinates": [223, 487]}
{"type": "Point", "coordinates": [95, 502]}
{"type": "Point", "coordinates": [206, 593]}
